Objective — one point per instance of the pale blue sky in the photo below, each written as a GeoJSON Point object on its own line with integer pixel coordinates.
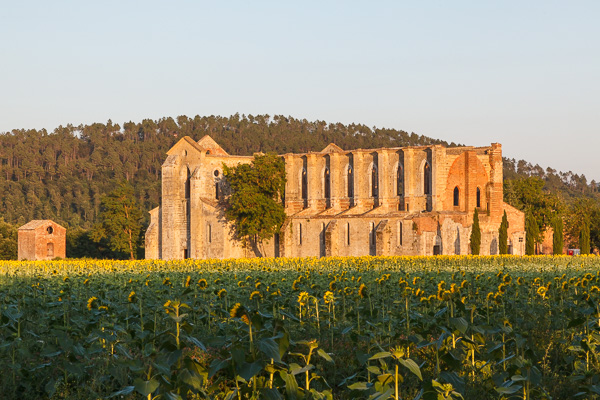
{"type": "Point", "coordinates": [522, 73]}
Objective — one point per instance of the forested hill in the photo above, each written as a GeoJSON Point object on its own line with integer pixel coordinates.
{"type": "Point", "coordinates": [61, 175]}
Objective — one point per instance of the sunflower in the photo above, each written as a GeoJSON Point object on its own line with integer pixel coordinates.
{"type": "Point", "coordinates": [91, 302]}
{"type": "Point", "coordinates": [239, 311]}
{"type": "Point", "coordinates": [502, 288]}
{"type": "Point", "coordinates": [490, 296]}
{"type": "Point", "coordinates": [256, 295]}
{"type": "Point", "coordinates": [166, 282]}
{"type": "Point", "coordinates": [565, 286]}
{"type": "Point", "coordinates": [507, 279]}
{"type": "Point", "coordinates": [187, 281]}
{"type": "Point", "coordinates": [348, 291]}
{"type": "Point", "coordinates": [202, 284]}
{"type": "Point", "coordinates": [441, 286]}
{"type": "Point", "coordinates": [542, 291]}
{"type": "Point", "coordinates": [498, 298]}
{"type": "Point", "coordinates": [328, 297]}
{"type": "Point", "coordinates": [222, 293]}
{"type": "Point", "coordinates": [132, 297]}
{"type": "Point", "coordinates": [303, 298]}
{"type": "Point", "coordinates": [362, 290]}
{"type": "Point", "coordinates": [520, 280]}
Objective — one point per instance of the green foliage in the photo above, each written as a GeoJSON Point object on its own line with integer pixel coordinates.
{"type": "Point", "coordinates": [532, 234]}
{"type": "Point", "coordinates": [584, 237]}
{"type": "Point", "coordinates": [80, 244]}
{"type": "Point", "coordinates": [254, 205]}
{"type": "Point", "coordinates": [475, 241]}
{"type": "Point", "coordinates": [119, 220]}
{"type": "Point", "coordinates": [503, 235]}
{"type": "Point", "coordinates": [444, 327]}
{"type": "Point", "coordinates": [8, 241]}
{"type": "Point", "coordinates": [557, 235]}
{"type": "Point", "coordinates": [581, 212]}
{"type": "Point", "coordinates": [527, 195]}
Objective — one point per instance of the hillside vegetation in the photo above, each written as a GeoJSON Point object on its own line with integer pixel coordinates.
{"type": "Point", "coordinates": [61, 175]}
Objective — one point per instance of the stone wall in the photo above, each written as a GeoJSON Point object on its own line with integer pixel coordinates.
{"type": "Point", "coordinates": [397, 201]}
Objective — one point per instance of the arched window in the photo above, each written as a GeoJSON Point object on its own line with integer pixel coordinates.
{"type": "Point", "coordinates": [478, 198]}
{"type": "Point", "coordinates": [399, 233]}
{"type": "Point", "coordinates": [300, 234]}
{"type": "Point", "coordinates": [327, 179]}
{"type": "Point", "coordinates": [188, 183]}
{"type": "Point", "coordinates": [348, 234]}
{"type": "Point", "coordinates": [304, 185]}
{"type": "Point", "coordinates": [400, 181]}
{"type": "Point", "coordinates": [372, 235]}
{"type": "Point", "coordinates": [374, 182]}
{"type": "Point", "coordinates": [426, 179]}
{"type": "Point", "coordinates": [456, 194]}
{"type": "Point", "coordinates": [350, 181]}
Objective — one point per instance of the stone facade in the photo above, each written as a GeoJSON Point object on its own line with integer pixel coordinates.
{"type": "Point", "coordinates": [389, 201]}
{"type": "Point", "coordinates": [42, 240]}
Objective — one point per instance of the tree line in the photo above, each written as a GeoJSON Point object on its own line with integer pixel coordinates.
{"type": "Point", "coordinates": [63, 175]}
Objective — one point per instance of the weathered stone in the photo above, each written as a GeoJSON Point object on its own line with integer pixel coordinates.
{"type": "Point", "coordinates": [42, 240]}
{"type": "Point", "coordinates": [391, 201]}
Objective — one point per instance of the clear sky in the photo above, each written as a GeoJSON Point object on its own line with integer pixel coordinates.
{"type": "Point", "coordinates": [522, 73]}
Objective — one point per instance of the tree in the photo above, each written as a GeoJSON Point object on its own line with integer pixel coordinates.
{"type": "Point", "coordinates": [8, 241]}
{"type": "Point", "coordinates": [532, 234]}
{"type": "Point", "coordinates": [119, 220]}
{"type": "Point", "coordinates": [584, 237]}
{"type": "Point", "coordinates": [503, 235]}
{"type": "Point", "coordinates": [475, 235]}
{"type": "Point", "coordinates": [557, 236]}
{"type": "Point", "coordinates": [254, 205]}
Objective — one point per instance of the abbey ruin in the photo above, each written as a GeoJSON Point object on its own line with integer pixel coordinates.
{"type": "Point", "coordinates": [389, 201]}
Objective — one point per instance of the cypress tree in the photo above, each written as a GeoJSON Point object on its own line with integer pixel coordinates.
{"type": "Point", "coordinates": [475, 235]}
{"type": "Point", "coordinates": [533, 232]}
{"type": "Point", "coordinates": [557, 236]}
{"type": "Point", "coordinates": [503, 235]}
{"type": "Point", "coordinates": [584, 237]}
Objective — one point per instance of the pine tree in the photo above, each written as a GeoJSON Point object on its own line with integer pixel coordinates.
{"type": "Point", "coordinates": [475, 235]}
{"type": "Point", "coordinates": [503, 235]}
{"type": "Point", "coordinates": [557, 236]}
{"type": "Point", "coordinates": [584, 237]}
{"type": "Point", "coordinates": [532, 234]}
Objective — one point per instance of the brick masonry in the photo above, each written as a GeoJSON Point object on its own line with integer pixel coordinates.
{"type": "Point", "coordinates": [41, 240]}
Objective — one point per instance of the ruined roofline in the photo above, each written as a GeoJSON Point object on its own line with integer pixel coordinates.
{"type": "Point", "coordinates": [329, 149]}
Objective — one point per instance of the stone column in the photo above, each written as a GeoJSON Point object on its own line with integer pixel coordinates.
{"type": "Point", "coordinates": [336, 175]}
{"type": "Point", "coordinates": [496, 178]}
{"type": "Point", "coordinates": [409, 179]}
{"type": "Point", "coordinates": [314, 180]}
{"type": "Point", "coordinates": [360, 184]}
{"type": "Point", "coordinates": [172, 201]}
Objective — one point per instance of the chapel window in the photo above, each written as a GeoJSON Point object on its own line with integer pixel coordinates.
{"type": "Point", "coordinates": [426, 179]}
{"type": "Point", "coordinates": [350, 181]}
{"type": "Point", "coordinates": [400, 181]}
{"type": "Point", "coordinates": [374, 182]}
{"type": "Point", "coordinates": [478, 198]}
{"type": "Point", "coordinates": [456, 196]}
{"type": "Point", "coordinates": [327, 179]}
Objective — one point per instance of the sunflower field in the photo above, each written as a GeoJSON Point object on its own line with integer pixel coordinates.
{"type": "Point", "coordinates": [443, 327]}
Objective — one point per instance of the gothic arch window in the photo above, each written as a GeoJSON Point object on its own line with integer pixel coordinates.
{"type": "Point", "coordinates": [478, 198]}
{"type": "Point", "coordinates": [399, 233]}
{"type": "Point", "coordinates": [400, 180]}
{"type": "Point", "coordinates": [327, 183]}
{"type": "Point", "coordinates": [372, 233]}
{"type": "Point", "coordinates": [374, 182]}
{"type": "Point", "coordinates": [426, 178]}
{"type": "Point", "coordinates": [188, 183]}
{"type": "Point", "coordinates": [456, 196]}
{"type": "Point", "coordinates": [304, 183]}
{"type": "Point", "coordinates": [348, 234]}
{"type": "Point", "coordinates": [350, 181]}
